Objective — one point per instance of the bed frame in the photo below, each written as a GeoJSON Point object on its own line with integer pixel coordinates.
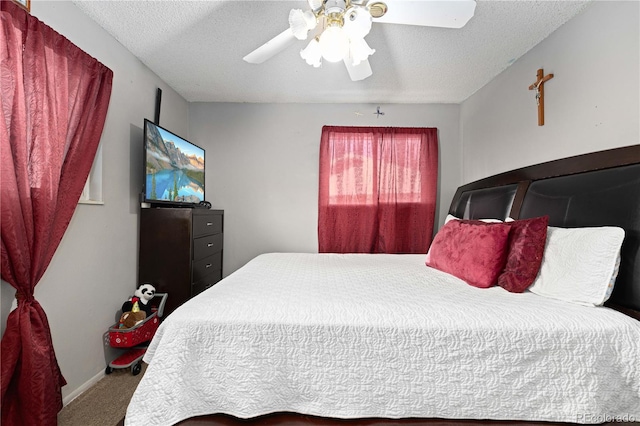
{"type": "Point", "coordinates": [597, 189]}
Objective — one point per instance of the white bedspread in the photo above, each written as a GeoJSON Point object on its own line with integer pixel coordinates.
{"type": "Point", "coordinates": [384, 336]}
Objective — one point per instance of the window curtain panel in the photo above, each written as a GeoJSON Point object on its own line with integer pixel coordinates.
{"type": "Point", "coordinates": [54, 100]}
{"type": "Point", "coordinates": [378, 189]}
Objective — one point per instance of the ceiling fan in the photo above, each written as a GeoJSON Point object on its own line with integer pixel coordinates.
{"type": "Point", "coordinates": [338, 28]}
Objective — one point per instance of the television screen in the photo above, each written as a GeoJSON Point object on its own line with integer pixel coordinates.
{"type": "Point", "coordinates": [174, 167]}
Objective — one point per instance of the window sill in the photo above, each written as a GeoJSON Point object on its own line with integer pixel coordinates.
{"type": "Point", "coordinates": [93, 202]}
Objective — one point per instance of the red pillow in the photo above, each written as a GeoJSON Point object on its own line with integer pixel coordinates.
{"type": "Point", "coordinates": [526, 247]}
{"type": "Point", "coordinates": [471, 250]}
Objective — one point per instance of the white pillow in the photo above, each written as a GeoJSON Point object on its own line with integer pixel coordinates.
{"type": "Point", "coordinates": [579, 264]}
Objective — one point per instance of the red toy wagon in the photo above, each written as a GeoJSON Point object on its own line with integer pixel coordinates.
{"type": "Point", "coordinates": [134, 338]}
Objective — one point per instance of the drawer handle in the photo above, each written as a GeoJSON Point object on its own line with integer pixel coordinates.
{"type": "Point", "coordinates": [209, 244]}
{"type": "Point", "coordinates": [208, 265]}
{"type": "Point", "coordinates": [209, 223]}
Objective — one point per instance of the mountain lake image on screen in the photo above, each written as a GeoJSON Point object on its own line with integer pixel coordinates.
{"type": "Point", "coordinates": [174, 167]}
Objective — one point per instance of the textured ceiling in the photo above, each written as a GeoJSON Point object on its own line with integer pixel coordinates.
{"type": "Point", "coordinates": [197, 47]}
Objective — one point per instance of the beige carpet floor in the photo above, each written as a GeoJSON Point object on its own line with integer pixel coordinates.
{"type": "Point", "coordinates": [105, 403]}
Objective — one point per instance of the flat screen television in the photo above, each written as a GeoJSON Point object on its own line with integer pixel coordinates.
{"type": "Point", "coordinates": [174, 168]}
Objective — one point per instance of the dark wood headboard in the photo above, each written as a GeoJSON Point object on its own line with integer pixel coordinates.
{"type": "Point", "coordinates": [597, 189]}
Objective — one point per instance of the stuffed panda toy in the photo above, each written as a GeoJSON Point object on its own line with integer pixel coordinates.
{"type": "Point", "coordinates": [144, 293]}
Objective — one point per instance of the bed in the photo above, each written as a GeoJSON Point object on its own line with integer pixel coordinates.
{"type": "Point", "coordinates": [353, 336]}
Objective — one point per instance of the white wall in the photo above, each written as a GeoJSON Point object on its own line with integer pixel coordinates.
{"type": "Point", "coordinates": [95, 268]}
{"type": "Point", "coordinates": [591, 104]}
{"type": "Point", "coordinates": [262, 166]}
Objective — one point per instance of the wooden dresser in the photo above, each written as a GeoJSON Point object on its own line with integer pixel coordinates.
{"type": "Point", "coordinates": [180, 251]}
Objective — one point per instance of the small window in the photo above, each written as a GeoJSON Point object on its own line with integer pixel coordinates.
{"type": "Point", "coordinates": [92, 192]}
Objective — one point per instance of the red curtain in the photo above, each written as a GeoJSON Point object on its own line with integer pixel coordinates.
{"type": "Point", "coordinates": [54, 100]}
{"type": "Point", "coordinates": [378, 189]}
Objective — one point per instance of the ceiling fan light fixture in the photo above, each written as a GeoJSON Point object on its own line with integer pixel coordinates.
{"type": "Point", "coordinates": [357, 22]}
{"type": "Point", "coordinates": [334, 44]}
{"type": "Point", "coordinates": [339, 28]}
{"type": "Point", "coordinates": [359, 51]}
{"type": "Point", "coordinates": [312, 53]}
{"type": "Point", "coordinates": [301, 23]}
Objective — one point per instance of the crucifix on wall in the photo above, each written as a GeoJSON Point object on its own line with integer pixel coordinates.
{"type": "Point", "coordinates": [538, 86]}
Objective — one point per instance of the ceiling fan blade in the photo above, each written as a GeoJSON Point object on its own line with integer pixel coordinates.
{"type": "Point", "coordinates": [271, 48]}
{"type": "Point", "coordinates": [429, 13]}
{"type": "Point", "coordinates": [360, 71]}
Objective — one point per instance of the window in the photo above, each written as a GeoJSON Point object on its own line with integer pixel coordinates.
{"type": "Point", "coordinates": [377, 189]}
{"type": "Point", "coordinates": [92, 191]}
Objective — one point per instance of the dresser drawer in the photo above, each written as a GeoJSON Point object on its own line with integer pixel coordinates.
{"type": "Point", "coordinates": [206, 246]}
{"type": "Point", "coordinates": [206, 283]}
{"type": "Point", "coordinates": [205, 224]}
{"type": "Point", "coordinates": [207, 266]}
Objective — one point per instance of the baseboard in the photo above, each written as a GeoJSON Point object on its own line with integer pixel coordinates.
{"type": "Point", "coordinates": [85, 386]}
